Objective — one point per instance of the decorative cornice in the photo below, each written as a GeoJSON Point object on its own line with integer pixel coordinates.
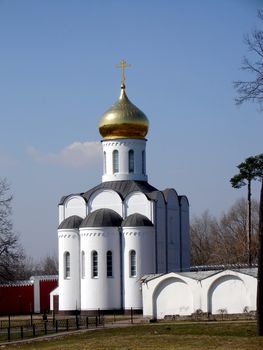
{"type": "Point", "coordinates": [73, 236]}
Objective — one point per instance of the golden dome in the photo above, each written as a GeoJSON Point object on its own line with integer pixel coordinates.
{"type": "Point", "coordinates": [123, 120]}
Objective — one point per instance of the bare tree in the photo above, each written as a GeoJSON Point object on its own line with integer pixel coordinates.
{"type": "Point", "coordinates": [31, 267]}
{"type": "Point", "coordinates": [201, 231]}
{"type": "Point", "coordinates": [223, 240]}
{"type": "Point", "coordinates": [252, 90]}
{"type": "Point", "coordinates": [11, 252]}
{"type": "Point", "coordinates": [26, 269]}
{"type": "Point", "coordinates": [231, 244]}
{"type": "Point", "coordinates": [50, 265]}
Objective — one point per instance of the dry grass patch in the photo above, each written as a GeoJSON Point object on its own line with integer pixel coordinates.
{"type": "Point", "coordinates": [157, 336]}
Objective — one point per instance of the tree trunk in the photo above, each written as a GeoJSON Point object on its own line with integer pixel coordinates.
{"type": "Point", "coordinates": [249, 223]}
{"type": "Point", "coordinates": [260, 267]}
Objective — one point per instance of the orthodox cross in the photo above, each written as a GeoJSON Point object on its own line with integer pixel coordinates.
{"type": "Point", "coordinates": [123, 64]}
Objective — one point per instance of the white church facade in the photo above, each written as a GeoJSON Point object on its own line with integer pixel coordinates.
{"type": "Point", "coordinates": [122, 229]}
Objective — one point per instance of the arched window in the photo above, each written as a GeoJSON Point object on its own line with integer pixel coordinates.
{"type": "Point", "coordinates": [104, 162]}
{"type": "Point", "coordinates": [66, 265]}
{"type": "Point", "coordinates": [94, 259]}
{"type": "Point", "coordinates": [83, 271]}
{"type": "Point", "coordinates": [143, 162]}
{"type": "Point", "coordinates": [133, 271]}
{"type": "Point", "coordinates": [115, 161]}
{"type": "Point", "coordinates": [131, 161]}
{"type": "Point", "coordinates": [109, 263]}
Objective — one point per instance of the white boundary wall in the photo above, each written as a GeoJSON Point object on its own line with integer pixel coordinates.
{"type": "Point", "coordinates": [176, 294]}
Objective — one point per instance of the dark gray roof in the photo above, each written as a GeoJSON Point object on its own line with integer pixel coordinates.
{"type": "Point", "coordinates": [201, 275]}
{"type": "Point", "coordinates": [102, 218]}
{"type": "Point", "coordinates": [73, 221]}
{"type": "Point", "coordinates": [233, 267]}
{"type": "Point", "coordinates": [62, 199]}
{"type": "Point", "coordinates": [166, 192]}
{"type": "Point", "coordinates": [123, 188]}
{"type": "Point", "coordinates": [183, 197]}
{"type": "Point", "coordinates": [16, 283]}
{"type": "Point", "coordinates": [136, 220]}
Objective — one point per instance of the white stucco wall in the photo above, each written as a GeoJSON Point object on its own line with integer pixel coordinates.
{"type": "Point", "coordinates": [68, 241]}
{"type": "Point", "coordinates": [123, 146]}
{"type": "Point", "coordinates": [100, 292]}
{"type": "Point", "coordinates": [36, 295]}
{"type": "Point", "coordinates": [51, 295]}
{"type": "Point", "coordinates": [176, 294]}
{"type": "Point", "coordinates": [140, 239]}
{"type": "Point", "coordinates": [228, 293]}
{"type": "Point", "coordinates": [172, 297]}
{"type": "Point", "coordinates": [105, 199]}
{"type": "Point", "coordinates": [61, 213]}
{"type": "Point", "coordinates": [230, 290]}
{"type": "Point", "coordinates": [137, 202]}
{"type": "Point", "coordinates": [74, 205]}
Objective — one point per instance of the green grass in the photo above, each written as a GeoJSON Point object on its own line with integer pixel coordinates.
{"type": "Point", "coordinates": [157, 336]}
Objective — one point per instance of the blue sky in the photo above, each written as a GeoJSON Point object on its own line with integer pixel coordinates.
{"type": "Point", "coordinates": [58, 76]}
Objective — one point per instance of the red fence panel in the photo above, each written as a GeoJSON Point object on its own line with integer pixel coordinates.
{"type": "Point", "coordinates": [45, 287]}
{"type": "Point", "coordinates": [16, 299]}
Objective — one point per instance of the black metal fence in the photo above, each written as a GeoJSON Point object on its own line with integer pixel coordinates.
{"type": "Point", "coordinates": [123, 317]}
{"type": "Point", "coordinates": [25, 329]}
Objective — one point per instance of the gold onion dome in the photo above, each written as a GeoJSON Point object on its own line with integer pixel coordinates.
{"type": "Point", "coordinates": [123, 120]}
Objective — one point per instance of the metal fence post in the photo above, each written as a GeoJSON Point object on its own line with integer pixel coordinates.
{"type": "Point", "coordinates": [96, 320]}
{"type": "Point", "coordinates": [34, 330]}
{"type": "Point", "coordinates": [21, 332]}
{"type": "Point", "coordinates": [87, 322]}
{"type": "Point", "coordinates": [67, 324]}
{"type": "Point", "coordinates": [45, 327]}
{"type": "Point", "coordinates": [56, 326]}
{"type": "Point", "coordinates": [131, 316]}
{"type": "Point", "coordinates": [53, 317]}
{"type": "Point", "coordinates": [8, 334]}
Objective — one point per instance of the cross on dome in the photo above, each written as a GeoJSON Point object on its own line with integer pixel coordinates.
{"type": "Point", "coordinates": [123, 64]}
{"type": "Point", "coordinates": [123, 120]}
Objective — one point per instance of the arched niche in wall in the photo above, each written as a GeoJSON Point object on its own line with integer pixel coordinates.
{"type": "Point", "coordinates": [75, 205]}
{"type": "Point", "coordinates": [137, 202]}
{"type": "Point", "coordinates": [105, 198]}
{"type": "Point", "coordinates": [172, 296]}
{"type": "Point", "coordinates": [228, 294]}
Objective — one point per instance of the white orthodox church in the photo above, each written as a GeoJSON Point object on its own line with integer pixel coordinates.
{"type": "Point", "coordinates": [124, 228]}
